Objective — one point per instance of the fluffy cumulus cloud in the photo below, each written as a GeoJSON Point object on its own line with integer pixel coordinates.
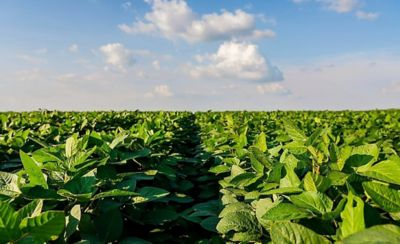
{"type": "Point", "coordinates": [116, 55]}
{"type": "Point", "coordinates": [272, 88]}
{"type": "Point", "coordinates": [236, 61]}
{"type": "Point", "coordinates": [159, 91]}
{"type": "Point", "coordinates": [176, 20]}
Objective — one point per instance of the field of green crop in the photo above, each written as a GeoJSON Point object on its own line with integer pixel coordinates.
{"type": "Point", "coordinates": [213, 177]}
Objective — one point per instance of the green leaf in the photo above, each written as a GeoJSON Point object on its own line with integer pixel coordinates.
{"type": "Point", "coordinates": [363, 156]}
{"type": "Point", "coordinates": [260, 141]}
{"type": "Point", "coordinates": [44, 227]}
{"type": "Point", "coordinates": [136, 154]}
{"type": "Point", "coordinates": [286, 232]}
{"type": "Point", "coordinates": [243, 224]}
{"type": "Point", "coordinates": [286, 211]}
{"type": "Point", "coordinates": [343, 155]}
{"type": "Point", "coordinates": [290, 180]}
{"type": "Point", "coordinates": [210, 223]}
{"type": "Point", "coordinates": [375, 235]}
{"type": "Point", "coordinates": [314, 136]}
{"type": "Point", "coordinates": [109, 225]}
{"type": "Point", "coordinates": [262, 206]}
{"type": "Point", "coordinates": [308, 182]}
{"type": "Point", "coordinates": [314, 201]}
{"type": "Point", "coordinates": [242, 179]}
{"type": "Point", "coordinates": [114, 193]}
{"type": "Point", "coordinates": [220, 169]}
{"type": "Point", "coordinates": [387, 198]}
{"type": "Point", "coordinates": [9, 185]}
{"type": "Point", "coordinates": [352, 216]}
{"type": "Point", "coordinates": [294, 133]}
{"type": "Point", "coordinates": [30, 210]}
{"type": "Point", "coordinates": [283, 190]}
{"type": "Point", "coordinates": [36, 177]}
{"type": "Point", "coordinates": [257, 157]}
{"type": "Point", "coordinates": [160, 216]}
{"type": "Point", "coordinates": [148, 193]}
{"type": "Point", "coordinates": [388, 171]}
{"type": "Point", "coordinates": [71, 146]}
{"type": "Point", "coordinates": [234, 208]}
{"type": "Point", "coordinates": [7, 219]}
{"type": "Point", "coordinates": [72, 221]}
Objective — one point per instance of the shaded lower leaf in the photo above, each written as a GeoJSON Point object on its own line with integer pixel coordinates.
{"type": "Point", "coordinates": [286, 232]}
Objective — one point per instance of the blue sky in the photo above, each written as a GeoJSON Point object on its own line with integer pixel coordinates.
{"type": "Point", "coordinates": [197, 55]}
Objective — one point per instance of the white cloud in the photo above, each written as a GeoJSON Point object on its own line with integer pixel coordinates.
{"type": "Point", "coordinates": [272, 88]}
{"type": "Point", "coordinates": [340, 6]}
{"type": "Point", "coordinates": [159, 91]}
{"type": "Point", "coordinates": [176, 20]}
{"type": "Point", "coordinates": [299, 1]}
{"type": "Point", "coordinates": [73, 48]}
{"type": "Point", "coordinates": [237, 61]}
{"type": "Point", "coordinates": [117, 55]}
{"type": "Point", "coordinates": [367, 15]}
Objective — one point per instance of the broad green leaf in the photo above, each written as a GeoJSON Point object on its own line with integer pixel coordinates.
{"type": "Point", "coordinates": [36, 177]}
{"type": "Point", "coordinates": [7, 220]}
{"type": "Point", "coordinates": [308, 182]}
{"type": "Point", "coordinates": [286, 232]}
{"type": "Point", "coordinates": [352, 216]}
{"type": "Point", "coordinates": [314, 201]}
{"type": "Point", "coordinates": [136, 154]}
{"type": "Point", "coordinates": [9, 185]}
{"type": "Point", "coordinates": [72, 221]}
{"type": "Point", "coordinates": [343, 155]}
{"type": "Point", "coordinates": [257, 157]}
{"type": "Point", "coordinates": [219, 169]}
{"type": "Point", "coordinates": [386, 197]}
{"type": "Point", "coordinates": [290, 179]}
{"type": "Point", "coordinates": [71, 146]}
{"type": "Point", "coordinates": [286, 211]}
{"type": "Point", "coordinates": [294, 133]}
{"type": "Point", "coordinates": [243, 224]}
{"type": "Point", "coordinates": [363, 156]}
{"type": "Point", "coordinates": [378, 234]}
{"type": "Point", "coordinates": [30, 210]}
{"type": "Point", "coordinates": [283, 190]}
{"type": "Point", "coordinates": [234, 208]}
{"type": "Point", "coordinates": [337, 178]}
{"type": "Point", "coordinates": [44, 227]}
{"type": "Point", "coordinates": [388, 171]}
{"type": "Point", "coordinates": [242, 179]}
{"type": "Point", "coordinates": [160, 216]}
{"type": "Point", "coordinates": [148, 193]}
{"type": "Point", "coordinates": [114, 193]}
{"type": "Point", "coordinates": [109, 225]}
{"type": "Point", "coordinates": [314, 137]}
{"type": "Point", "coordinates": [260, 142]}
{"type": "Point", "coordinates": [262, 206]}
{"type": "Point", "coordinates": [210, 223]}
